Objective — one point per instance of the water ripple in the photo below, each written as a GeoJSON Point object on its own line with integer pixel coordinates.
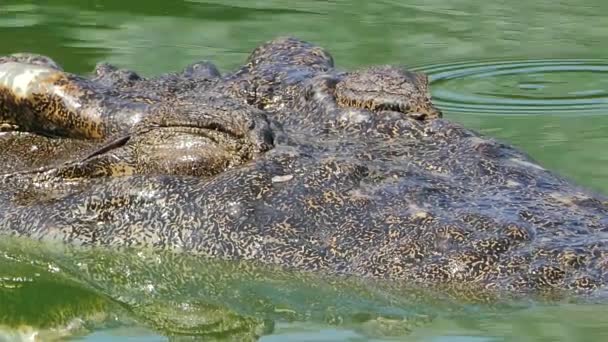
{"type": "Point", "coordinates": [525, 87]}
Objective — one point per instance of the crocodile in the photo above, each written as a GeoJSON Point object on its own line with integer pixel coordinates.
{"type": "Point", "coordinates": [292, 162]}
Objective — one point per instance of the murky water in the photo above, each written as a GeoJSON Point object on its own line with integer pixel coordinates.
{"type": "Point", "coordinates": [532, 73]}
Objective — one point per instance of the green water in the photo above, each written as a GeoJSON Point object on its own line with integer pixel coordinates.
{"type": "Point", "coordinates": [532, 73]}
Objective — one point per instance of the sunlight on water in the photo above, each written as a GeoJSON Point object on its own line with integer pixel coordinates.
{"type": "Point", "coordinates": [532, 73]}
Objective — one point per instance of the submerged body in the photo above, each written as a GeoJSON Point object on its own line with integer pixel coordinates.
{"type": "Point", "coordinates": [288, 161]}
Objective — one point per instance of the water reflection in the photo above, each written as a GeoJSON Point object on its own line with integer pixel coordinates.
{"type": "Point", "coordinates": [530, 87]}
{"type": "Point", "coordinates": [181, 295]}
{"type": "Point", "coordinates": [53, 292]}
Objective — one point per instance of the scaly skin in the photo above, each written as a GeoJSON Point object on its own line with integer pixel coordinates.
{"type": "Point", "coordinates": [102, 132]}
{"type": "Point", "coordinates": [337, 172]}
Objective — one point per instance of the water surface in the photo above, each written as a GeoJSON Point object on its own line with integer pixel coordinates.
{"type": "Point", "coordinates": [531, 73]}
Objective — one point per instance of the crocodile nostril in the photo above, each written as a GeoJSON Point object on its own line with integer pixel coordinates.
{"type": "Point", "coordinates": [262, 134]}
{"type": "Point", "coordinates": [267, 141]}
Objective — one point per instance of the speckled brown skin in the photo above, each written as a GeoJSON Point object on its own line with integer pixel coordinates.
{"type": "Point", "coordinates": [31, 58]}
{"type": "Point", "coordinates": [367, 180]}
{"type": "Point", "coordinates": [100, 130]}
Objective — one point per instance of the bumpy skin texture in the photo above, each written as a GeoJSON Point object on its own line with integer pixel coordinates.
{"type": "Point", "coordinates": [121, 132]}
{"type": "Point", "coordinates": [340, 172]}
